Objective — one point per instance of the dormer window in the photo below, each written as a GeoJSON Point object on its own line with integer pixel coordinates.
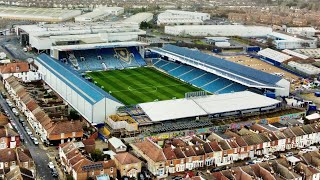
{"type": "Point", "coordinates": [17, 68]}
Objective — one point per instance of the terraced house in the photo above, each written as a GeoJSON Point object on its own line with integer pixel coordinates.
{"type": "Point", "coordinates": [192, 152]}
{"type": "Point", "coordinates": [52, 126]}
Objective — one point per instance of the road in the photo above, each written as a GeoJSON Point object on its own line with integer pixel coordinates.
{"type": "Point", "coordinates": [40, 156]}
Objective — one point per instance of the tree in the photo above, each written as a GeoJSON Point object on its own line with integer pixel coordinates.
{"type": "Point", "coordinates": [98, 155]}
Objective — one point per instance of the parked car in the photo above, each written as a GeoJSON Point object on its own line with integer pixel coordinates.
{"type": "Point", "coordinates": [313, 148]}
{"type": "Point", "coordinates": [35, 141]}
{"type": "Point", "coordinates": [51, 165]}
{"type": "Point", "coordinates": [288, 154]}
{"type": "Point", "coordinates": [54, 172]}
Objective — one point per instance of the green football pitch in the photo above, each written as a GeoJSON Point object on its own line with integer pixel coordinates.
{"type": "Point", "coordinates": [139, 85]}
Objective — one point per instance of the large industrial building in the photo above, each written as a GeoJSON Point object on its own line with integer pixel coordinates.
{"type": "Point", "coordinates": [218, 30]}
{"type": "Point", "coordinates": [43, 37]}
{"type": "Point", "coordinates": [306, 68]}
{"type": "Point", "coordinates": [274, 57]}
{"type": "Point", "coordinates": [139, 18]}
{"type": "Point", "coordinates": [175, 17]}
{"type": "Point", "coordinates": [284, 41]}
{"type": "Point", "coordinates": [38, 14]}
{"type": "Point", "coordinates": [99, 13]}
{"type": "Point", "coordinates": [93, 103]}
{"type": "Point", "coordinates": [302, 31]}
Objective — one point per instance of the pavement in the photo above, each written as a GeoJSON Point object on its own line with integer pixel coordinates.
{"type": "Point", "coordinates": [39, 155]}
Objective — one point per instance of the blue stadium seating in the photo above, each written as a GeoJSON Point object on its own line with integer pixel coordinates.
{"type": "Point", "coordinates": [180, 70]}
{"type": "Point", "coordinates": [170, 66]}
{"type": "Point", "coordinates": [205, 80]}
{"type": "Point", "coordinates": [127, 57]}
{"type": "Point", "coordinates": [192, 74]}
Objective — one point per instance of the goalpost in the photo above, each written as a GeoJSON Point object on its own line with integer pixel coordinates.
{"type": "Point", "coordinates": [189, 95]}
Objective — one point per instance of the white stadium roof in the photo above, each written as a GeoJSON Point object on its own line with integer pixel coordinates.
{"type": "Point", "coordinates": [200, 106]}
{"type": "Point", "coordinates": [274, 55]}
{"type": "Point", "coordinates": [38, 14]}
{"type": "Point", "coordinates": [172, 109]}
{"type": "Point", "coordinates": [98, 45]}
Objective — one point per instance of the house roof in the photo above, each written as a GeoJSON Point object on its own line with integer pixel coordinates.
{"type": "Point", "coordinates": [297, 131]}
{"type": "Point", "coordinates": [215, 146]}
{"type": "Point", "coordinates": [126, 158]}
{"type": "Point", "coordinates": [308, 129]}
{"type": "Point", "coordinates": [169, 153]}
{"type": "Point", "coordinates": [189, 151]}
{"type": "Point", "coordinates": [288, 133]}
{"type": "Point", "coordinates": [207, 148]}
{"type": "Point", "coordinates": [3, 120]}
{"type": "Point", "coordinates": [150, 149]}
{"type": "Point", "coordinates": [116, 142]}
{"type": "Point", "coordinates": [65, 127]}
{"type": "Point", "coordinates": [179, 153]}
{"type": "Point", "coordinates": [315, 126]}
{"type": "Point", "coordinates": [19, 172]}
{"type": "Point", "coordinates": [17, 67]}
{"type": "Point", "coordinates": [198, 149]}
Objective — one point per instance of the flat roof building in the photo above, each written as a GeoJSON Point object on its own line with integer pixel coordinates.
{"type": "Point", "coordinates": [99, 13]}
{"type": "Point", "coordinates": [218, 30]}
{"type": "Point", "coordinates": [175, 17]}
{"type": "Point", "coordinates": [139, 18]}
{"type": "Point", "coordinates": [38, 14]}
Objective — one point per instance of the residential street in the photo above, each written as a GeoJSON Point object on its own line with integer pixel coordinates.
{"type": "Point", "coordinates": [39, 155]}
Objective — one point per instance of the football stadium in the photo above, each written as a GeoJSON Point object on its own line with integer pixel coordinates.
{"type": "Point", "coordinates": [124, 80]}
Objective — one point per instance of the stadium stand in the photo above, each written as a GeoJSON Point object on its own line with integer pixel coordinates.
{"type": "Point", "coordinates": [235, 72]}
{"type": "Point", "coordinates": [202, 79]}
{"type": "Point", "coordinates": [103, 59]}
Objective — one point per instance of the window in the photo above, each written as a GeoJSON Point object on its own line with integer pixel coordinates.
{"type": "Point", "coordinates": [171, 162]}
{"type": "Point", "coordinates": [25, 164]}
{"type": "Point", "coordinates": [111, 169]}
{"type": "Point", "coordinates": [6, 164]}
{"type": "Point", "coordinates": [13, 163]}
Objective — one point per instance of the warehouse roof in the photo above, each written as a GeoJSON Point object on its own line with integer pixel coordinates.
{"type": "Point", "coordinates": [230, 70]}
{"type": "Point", "coordinates": [37, 14]}
{"type": "Point", "coordinates": [200, 106]}
{"type": "Point", "coordinates": [84, 88]}
{"type": "Point", "coordinates": [140, 17]}
{"type": "Point", "coordinates": [274, 55]}
{"type": "Point", "coordinates": [296, 54]}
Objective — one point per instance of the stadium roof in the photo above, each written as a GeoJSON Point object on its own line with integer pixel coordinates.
{"type": "Point", "coordinates": [38, 14]}
{"type": "Point", "coordinates": [200, 106]}
{"type": "Point", "coordinates": [84, 88]}
{"type": "Point", "coordinates": [274, 55]}
{"type": "Point", "coordinates": [296, 54]}
{"type": "Point", "coordinates": [98, 46]}
{"type": "Point", "coordinates": [229, 70]}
